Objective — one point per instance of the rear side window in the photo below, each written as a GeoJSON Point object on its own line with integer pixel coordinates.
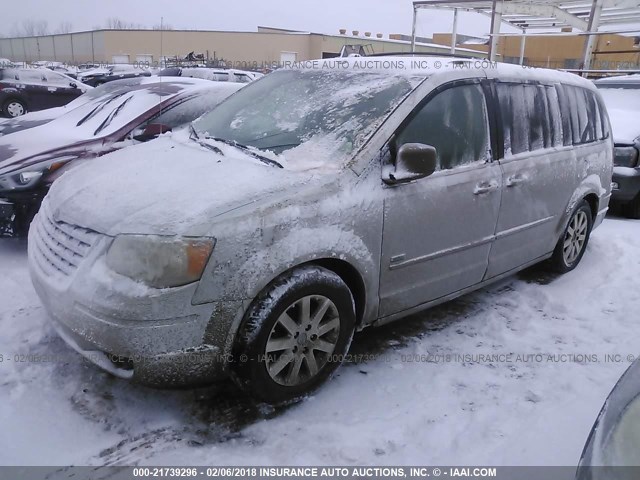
{"type": "Point", "coordinates": [34, 76]}
{"type": "Point", "coordinates": [57, 80]}
{"type": "Point", "coordinates": [565, 113]}
{"type": "Point", "coordinates": [604, 119]}
{"type": "Point", "coordinates": [9, 74]}
{"type": "Point", "coordinates": [596, 115]}
{"type": "Point", "coordinates": [555, 119]}
{"type": "Point", "coordinates": [530, 117]}
{"type": "Point", "coordinates": [455, 123]}
{"type": "Point", "coordinates": [582, 119]}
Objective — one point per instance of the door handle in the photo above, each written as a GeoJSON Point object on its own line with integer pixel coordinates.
{"type": "Point", "coordinates": [515, 180]}
{"type": "Point", "coordinates": [485, 187]}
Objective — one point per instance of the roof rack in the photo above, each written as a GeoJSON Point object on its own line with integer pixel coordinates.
{"type": "Point", "coordinates": [422, 54]}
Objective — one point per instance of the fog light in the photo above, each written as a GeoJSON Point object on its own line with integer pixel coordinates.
{"type": "Point", "coordinates": [614, 186]}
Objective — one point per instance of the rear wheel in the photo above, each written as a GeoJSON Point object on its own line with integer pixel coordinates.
{"type": "Point", "coordinates": [14, 108]}
{"type": "Point", "coordinates": [573, 242]}
{"type": "Point", "coordinates": [632, 209]}
{"type": "Point", "coordinates": [294, 335]}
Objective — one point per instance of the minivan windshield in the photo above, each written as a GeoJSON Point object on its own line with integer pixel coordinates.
{"type": "Point", "coordinates": [314, 116]}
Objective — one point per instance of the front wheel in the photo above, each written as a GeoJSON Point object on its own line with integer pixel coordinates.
{"type": "Point", "coordinates": [294, 335]}
{"type": "Point", "coordinates": [574, 240]}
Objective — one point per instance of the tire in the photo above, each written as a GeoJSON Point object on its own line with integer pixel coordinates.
{"type": "Point", "coordinates": [274, 359]}
{"type": "Point", "coordinates": [632, 209]}
{"type": "Point", "coordinates": [571, 246]}
{"type": "Point", "coordinates": [13, 108]}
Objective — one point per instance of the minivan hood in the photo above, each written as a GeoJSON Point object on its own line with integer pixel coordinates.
{"type": "Point", "coordinates": [624, 126]}
{"type": "Point", "coordinates": [165, 187]}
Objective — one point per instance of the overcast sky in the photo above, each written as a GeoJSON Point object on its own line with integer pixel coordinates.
{"type": "Point", "coordinates": [323, 16]}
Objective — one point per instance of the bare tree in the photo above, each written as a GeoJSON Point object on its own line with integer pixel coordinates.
{"type": "Point", "coordinates": [64, 27]}
{"type": "Point", "coordinates": [114, 23]}
{"type": "Point", "coordinates": [30, 28]}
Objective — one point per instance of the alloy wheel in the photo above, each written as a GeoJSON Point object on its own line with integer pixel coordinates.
{"type": "Point", "coordinates": [575, 237]}
{"type": "Point", "coordinates": [302, 340]}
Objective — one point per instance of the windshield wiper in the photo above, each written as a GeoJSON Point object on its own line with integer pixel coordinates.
{"type": "Point", "coordinates": [283, 145]}
{"type": "Point", "coordinates": [107, 121]}
{"type": "Point", "coordinates": [247, 150]}
{"type": "Point", "coordinates": [98, 108]}
{"type": "Point", "coordinates": [193, 135]}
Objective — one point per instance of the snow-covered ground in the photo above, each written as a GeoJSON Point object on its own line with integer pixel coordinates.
{"type": "Point", "coordinates": [382, 411]}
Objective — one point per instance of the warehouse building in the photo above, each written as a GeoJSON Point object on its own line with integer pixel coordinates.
{"type": "Point", "coordinates": [266, 45]}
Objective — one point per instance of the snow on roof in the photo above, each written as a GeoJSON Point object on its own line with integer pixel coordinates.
{"type": "Point", "coordinates": [412, 65]}
{"type": "Point", "coordinates": [622, 79]}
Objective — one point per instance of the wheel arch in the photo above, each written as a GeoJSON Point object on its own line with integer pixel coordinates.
{"type": "Point", "coordinates": [351, 277]}
{"type": "Point", "coordinates": [590, 190]}
{"type": "Point", "coordinates": [594, 202]}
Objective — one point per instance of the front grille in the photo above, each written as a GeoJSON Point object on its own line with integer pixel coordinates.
{"type": "Point", "coordinates": [59, 247]}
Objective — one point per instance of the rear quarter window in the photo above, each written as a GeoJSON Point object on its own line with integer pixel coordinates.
{"type": "Point", "coordinates": [565, 114]}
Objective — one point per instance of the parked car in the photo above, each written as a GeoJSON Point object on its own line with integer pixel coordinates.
{"type": "Point", "coordinates": [214, 74]}
{"type": "Point", "coordinates": [615, 436]}
{"type": "Point", "coordinates": [104, 91]}
{"type": "Point", "coordinates": [101, 75]}
{"type": "Point", "coordinates": [32, 159]}
{"type": "Point", "coordinates": [313, 203]}
{"type": "Point", "coordinates": [622, 98]}
{"type": "Point", "coordinates": [33, 89]}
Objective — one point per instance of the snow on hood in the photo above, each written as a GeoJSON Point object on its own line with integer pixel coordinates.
{"type": "Point", "coordinates": [624, 124]}
{"type": "Point", "coordinates": [169, 186]}
{"type": "Point", "coordinates": [622, 105]}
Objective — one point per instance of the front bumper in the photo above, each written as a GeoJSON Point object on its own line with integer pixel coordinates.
{"type": "Point", "coordinates": [628, 184]}
{"type": "Point", "coordinates": [17, 208]}
{"type": "Point", "coordinates": [154, 337]}
{"type": "Point", "coordinates": [7, 218]}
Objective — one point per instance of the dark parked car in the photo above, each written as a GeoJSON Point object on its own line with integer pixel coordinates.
{"type": "Point", "coordinates": [32, 159]}
{"type": "Point", "coordinates": [110, 73]}
{"type": "Point", "coordinates": [622, 97]}
{"type": "Point", "coordinates": [35, 119]}
{"type": "Point", "coordinates": [32, 89]}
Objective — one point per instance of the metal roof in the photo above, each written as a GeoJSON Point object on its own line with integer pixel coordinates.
{"type": "Point", "coordinates": [545, 14]}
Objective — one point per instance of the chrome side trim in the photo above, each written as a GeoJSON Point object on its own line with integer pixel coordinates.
{"type": "Point", "coordinates": [448, 251]}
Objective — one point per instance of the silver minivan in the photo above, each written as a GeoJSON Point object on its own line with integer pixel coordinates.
{"type": "Point", "coordinates": [315, 202]}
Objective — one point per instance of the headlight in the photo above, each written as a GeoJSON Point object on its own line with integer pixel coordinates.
{"type": "Point", "coordinates": [625, 157]}
{"type": "Point", "coordinates": [26, 178]}
{"type": "Point", "coordinates": [158, 261]}
{"type": "Point", "coordinates": [30, 176]}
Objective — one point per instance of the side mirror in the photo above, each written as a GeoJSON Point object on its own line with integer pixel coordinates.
{"type": "Point", "coordinates": [413, 161]}
{"type": "Point", "coordinates": [151, 131]}
{"type": "Point", "coordinates": [73, 84]}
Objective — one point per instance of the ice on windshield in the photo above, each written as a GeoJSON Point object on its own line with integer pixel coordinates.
{"type": "Point", "coordinates": [623, 105]}
{"type": "Point", "coordinates": [330, 114]}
